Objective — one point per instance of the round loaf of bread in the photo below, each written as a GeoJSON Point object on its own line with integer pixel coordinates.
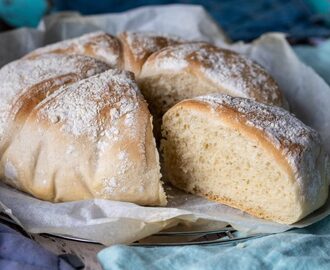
{"type": "Point", "coordinates": [45, 102]}
{"type": "Point", "coordinates": [90, 139]}
{"type": "Point", "coordinates": [255, 157]}
{"type": "Point", "coordinates": [188, 70]}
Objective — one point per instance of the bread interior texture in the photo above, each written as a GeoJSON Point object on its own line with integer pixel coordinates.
{"type": "Point", "coordinates": [162, 91]}
{"type": "Point", "coordinates": [205, 156]}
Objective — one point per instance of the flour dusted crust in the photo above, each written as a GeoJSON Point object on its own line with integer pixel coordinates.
{"type": "Point", "coordinates": [228, 72]}
{"type": "Point", "coordinates": [90, 139]}
{"type": "Point", "coordinates": [294, 146]}
{"type": "Point", "coordinates": [99, 45]}
{"type": "Point", "coordinates": [138, 46]}
{"type": "Point", "coordinates": [23, 83]}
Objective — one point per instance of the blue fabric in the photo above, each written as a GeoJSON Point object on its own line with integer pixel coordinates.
{"type": "Point", "coordinates": [20, 253]}
{"type": "Point", "coordinates": [241, 19]}
{"type": "Point", "coordinates": [307, 248]}
{"type": "Point", "coordinates": [23, 12]}
{"type": "Point", "coordinates": [322, 7]}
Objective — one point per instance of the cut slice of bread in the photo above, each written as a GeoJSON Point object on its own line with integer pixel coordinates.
{"type": "Point", "coordinates": [252, 156]}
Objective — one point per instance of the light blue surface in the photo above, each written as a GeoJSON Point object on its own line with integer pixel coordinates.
{"type": "Point", "coordinates": [317, 57]}
{"type": "Point", "coordinates": [307, 248]}
{"type": "Point", "coordinates": [297, 249]}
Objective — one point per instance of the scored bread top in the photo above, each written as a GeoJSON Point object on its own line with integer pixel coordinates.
{"type": "Point", "coordinates": [127, 51]}
{"type": "Point", "coordinates": [99, 45]}
{"type": "Point", "coordinates": [296, 143]}
{"type": "Point", "coordinates": [157, 53]}
{"type": "Point", "coordinates": [26, 77]}
{"type": "Point", "coordinates": [225, 69]}
{"type": "Point", "coordinates": [86, 107]}
{"type": "Point", "coordinates": [138, 46]}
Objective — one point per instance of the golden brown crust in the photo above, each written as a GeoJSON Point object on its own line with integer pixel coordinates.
{"type": "Point", "coordinates": [32, 96]}
{"type": "Point", "coordinates": [99, 45]}
{"type": "Point", "coordinates": [25, 82]}
{"type": "Point", "coordinates": [137, 47]}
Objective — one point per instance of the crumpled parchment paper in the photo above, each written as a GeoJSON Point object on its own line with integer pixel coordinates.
{"type": "Point", "coordinates": [111, 222]}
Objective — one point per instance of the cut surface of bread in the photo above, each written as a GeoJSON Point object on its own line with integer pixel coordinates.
{"type": "Point", "coordinates": [163, 91]}
{"type": "Point", "coordinates": [90, 139]}
{"type": "Point", "coordinates": [245, 154]}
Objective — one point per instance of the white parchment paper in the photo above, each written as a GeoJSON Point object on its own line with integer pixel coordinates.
{"type": "Point", "coordinates": [111, 222]}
